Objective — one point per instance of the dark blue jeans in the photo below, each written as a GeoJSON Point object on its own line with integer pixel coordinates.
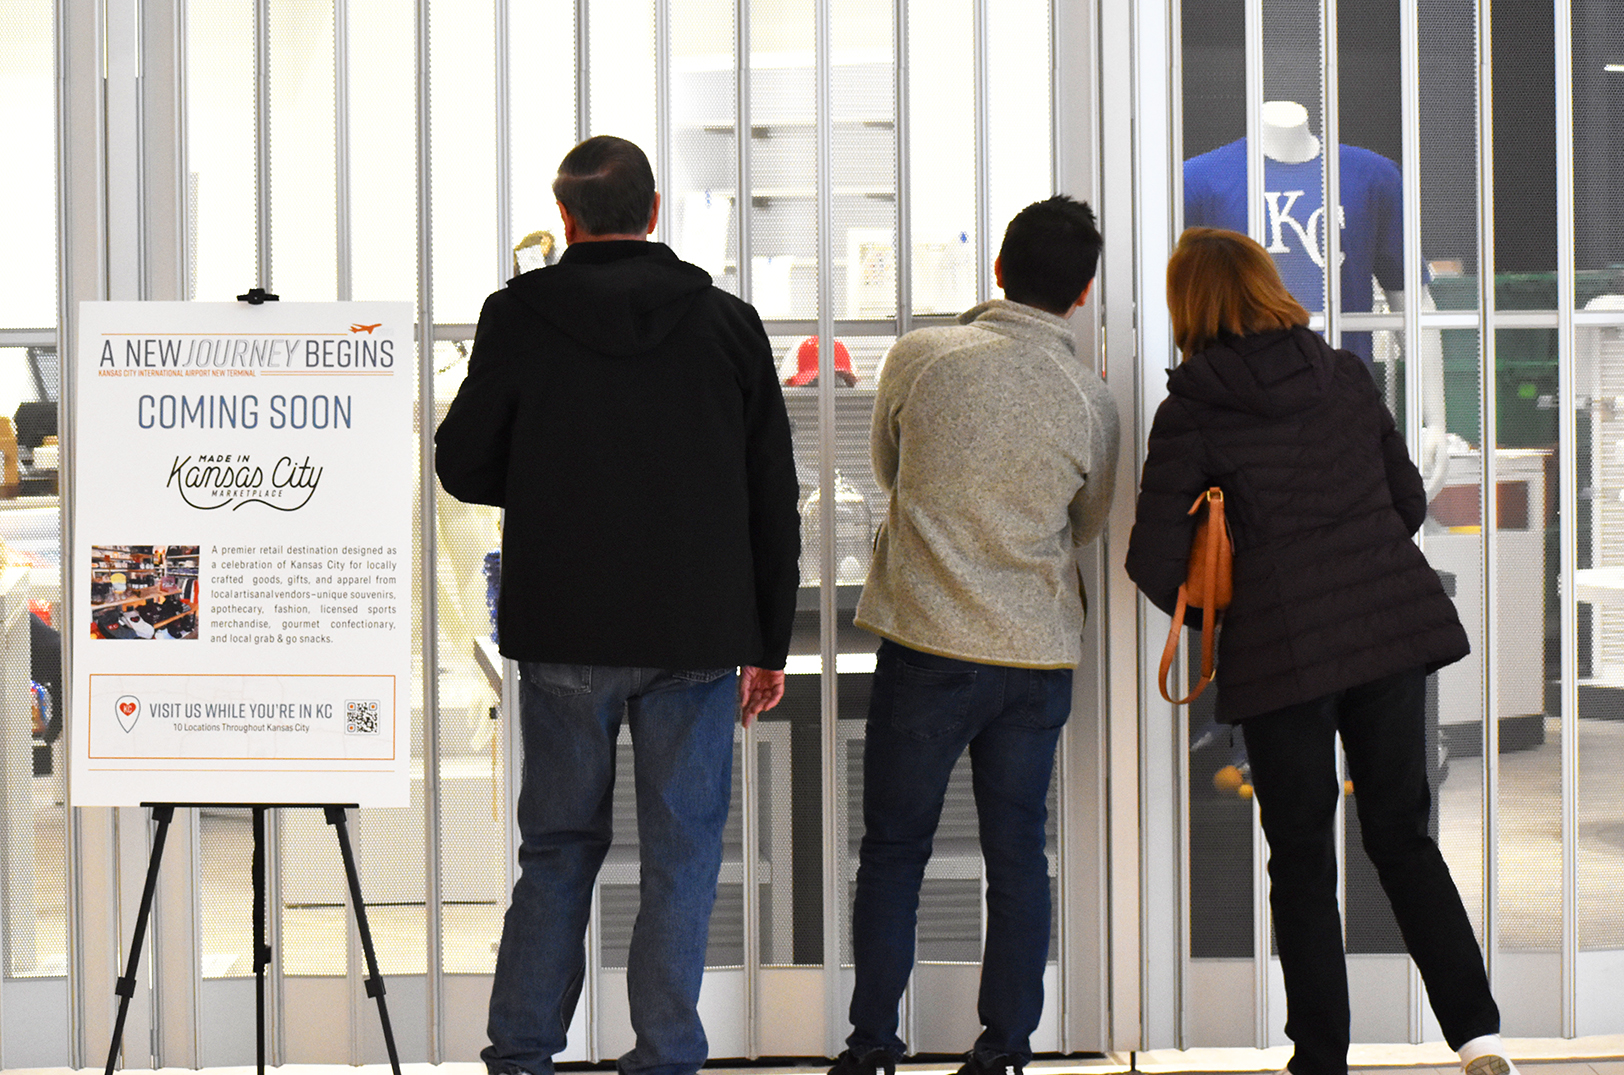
{"type": "Point", "coordinates": [682, 734]}
{"type": "Point", "coordinates": [1293, 758]}
{"type": "Point", "coordinates": [925, 710]}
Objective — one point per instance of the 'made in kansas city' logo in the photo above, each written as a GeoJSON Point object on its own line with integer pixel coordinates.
{"type": "Point", "coordinates": [207, 482]}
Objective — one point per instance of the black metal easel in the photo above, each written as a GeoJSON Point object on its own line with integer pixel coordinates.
{"type": "Point", "coordinates": [163, 814]}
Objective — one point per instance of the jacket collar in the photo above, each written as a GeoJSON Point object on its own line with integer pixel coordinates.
{"type": "Point", "coordinates": [1022, 322]}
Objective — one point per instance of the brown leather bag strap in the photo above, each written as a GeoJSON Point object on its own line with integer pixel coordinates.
{"type": "Point", "coordinates": [1210, 616]}
{"type": "Point", "coordinates": [1172, 648]}
{"type": "Point", "coordinates": [1210, 612]}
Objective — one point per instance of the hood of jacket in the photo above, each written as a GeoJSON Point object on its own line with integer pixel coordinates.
{"type": "Point", "coordinates": [618, 297]}
{"type": "Point", "coordinates": [1271, 374]}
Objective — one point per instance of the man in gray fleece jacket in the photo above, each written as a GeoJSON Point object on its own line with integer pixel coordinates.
{"type": "Point", "coordinates": [998, 446]}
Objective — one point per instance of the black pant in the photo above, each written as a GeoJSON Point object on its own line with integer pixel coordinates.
{"type": "Point", "coordinates": [1293, 758]}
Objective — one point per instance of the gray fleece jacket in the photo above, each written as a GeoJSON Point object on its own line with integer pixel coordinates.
{"type": "Point", "coordinates": [998, 447]}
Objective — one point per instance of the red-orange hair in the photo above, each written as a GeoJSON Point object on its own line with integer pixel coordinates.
{"type": "Point", "coordinates": [1223, 282]}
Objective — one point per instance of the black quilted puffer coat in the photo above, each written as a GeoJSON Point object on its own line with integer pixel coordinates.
{"type": "Point", "coordinates": [1322, 501]}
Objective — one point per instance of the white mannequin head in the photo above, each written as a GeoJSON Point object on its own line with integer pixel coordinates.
{"type": "Point", "coordinates": [1286, 137]}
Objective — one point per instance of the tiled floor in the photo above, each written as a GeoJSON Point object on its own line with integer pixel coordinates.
{"type": "Point", "coordinates": [1534, 1056]}
{"type": "Point", "coordinates": [1597, 1056]}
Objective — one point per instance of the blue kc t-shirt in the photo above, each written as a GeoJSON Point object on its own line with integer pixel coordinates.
{"type": "Point", "coordinates": [1294, 221]}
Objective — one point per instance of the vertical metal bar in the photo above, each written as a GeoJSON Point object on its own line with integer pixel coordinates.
{"type": "Point", "coordinates": [341, 148]}
{"type": "Point", "coordinates": [1414, 258]}
{"type": "Point", "coordinates": [262, 141]}
{"type": "Point", "coordinates": [750, 839]}
{"type": "Point", "coordinates": [434, 1008]}
{"type": "Point", "coordinates": [1255, 226]}
{"type": "Point", "coordinates": [1181, 714]}
{"type": "Point", "coordinates": [743, 205]}
{"type": "Point", "coordinates": [900, 130]}
{"type": "Point", "coordinates": [984, 239]}
{"type": "Point", "coordinates": [1488, 402]}
{"type": "Point", "coordinates": [834, 841]}
{"type": "Point", "coordinates": [73, 27]}
{"type": "Point", "coordinates": [750, 789]}
{"type": "Point", "coordinates": [1331, 155]}
{"type": "Point", "coordinates": [594, 925]}
{"type": "Point", "coordinates": [184, 196]}
{"type": "Point", "coordinates": [583, 70]}
{"type": "Point", "coordinates": [1568, 511]}
{"type": "Point", "coordinates": [1410, 161]}
{"type": "Point", "coordinates": [1254, 121]}
{"type": "Point", "coordinates": [504, 147]}
{"type": "Point", "coordinates": [662, 115]}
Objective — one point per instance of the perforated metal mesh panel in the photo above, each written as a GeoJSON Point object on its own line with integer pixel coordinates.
{"type": "Point", "coordinates": [220, 147]}
{"type": "Point", "coordinates": [304, 242]}
{"type": "Point", "coordinates": [28, 115]}
{"type": "Point", "coordinates": [942, 155]}
{"type": "Point", "coordinates": [462, 85]}
{"type": "Point", "coordinates": [702, 203]}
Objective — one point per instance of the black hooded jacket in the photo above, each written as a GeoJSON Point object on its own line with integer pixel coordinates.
{"type": "Point", "coordinates": [1322, 501]}
{"type": "Point", "coordinates": [627, 415]}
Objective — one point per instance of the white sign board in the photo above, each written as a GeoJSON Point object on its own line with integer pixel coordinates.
{"type": "Point", "coordinates": [244, 483]}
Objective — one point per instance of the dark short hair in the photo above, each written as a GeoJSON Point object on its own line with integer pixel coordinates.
{"type": "Point", "coordinates": [607, 185]}
{"type": "Point", "coordinates": [1050, 252]}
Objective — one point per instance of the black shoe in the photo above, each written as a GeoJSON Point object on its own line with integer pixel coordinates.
{"type": "Point", "coordinates": [870, 1063]}
{"type": "Point", "coordinates": [996, 1065]}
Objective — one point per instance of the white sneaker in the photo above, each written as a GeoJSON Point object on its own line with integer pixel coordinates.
{"type": "Point", "coordinates": [1486, 1055]}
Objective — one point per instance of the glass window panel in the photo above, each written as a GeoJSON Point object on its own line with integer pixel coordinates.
{"type": "Point", "coordinates": [468, 253]}
{"type": "Point", "coordinates": [32, 765]}
{"type": "Point", "coordinates": [783, 160]}
{"type": "Point", "coordinates": [383, 150]}
{"type": "Point", "coordinates": [1524, 68]}
{"type": "Point", "coordinates": [304, 243]}
{"type": "Point", "coordinates": [473, 801]}
{"type": "Point", "coordinates": [1598, 148]}
{"type": "Point", "coordinates": [1447, 102]}
{"type": "Point", "coordinates": [1220, 808]}
{"type": "Point", "coordinates": [1599, 378]}
{"type": "Point", "coordinates": [226, 892]}
{"type": "Point", "coordinates": [315, 915]}
{"type": "Point", "coordinates": [1526, 654]}
{"type": "Point", "coordinates": [864, 148]}
{"type": "Point", "coordinates": [622, 94]}
{"type": "Point", "coordinates": [1453, 542]}
{"type": "Point", "coordinates": [390, 848]}
{"type": "Point", "coordinates": [1020, 160]}
{"type": "Point", "coordinates": [541, 104]}
{"type": "Point", "coordinates": [702, 204]}
{"type": "Point", "coordinates": [28, 116]}
{"type": "Point", "coordinates": [942, 154]}
{"type": "Point", "coordinates": [1294, 148]}
{"type": "Point", "coordinates": [792, 920]}
{"type": "Point", "coordinates": [220, 147]}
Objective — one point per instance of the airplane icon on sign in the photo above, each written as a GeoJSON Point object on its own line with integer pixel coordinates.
{"type": "Point", "coordinates": [365, 328]}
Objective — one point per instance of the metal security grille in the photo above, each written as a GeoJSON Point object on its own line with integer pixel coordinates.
{"type": "Point", "coordinates": [1493, 340]}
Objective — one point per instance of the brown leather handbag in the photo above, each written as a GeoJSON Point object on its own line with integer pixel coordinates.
{"type": "Point", "coordinates": [1208, 585]}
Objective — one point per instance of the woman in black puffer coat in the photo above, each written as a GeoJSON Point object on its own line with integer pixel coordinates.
{"type": "Point", "coordinates": [1336, 621]}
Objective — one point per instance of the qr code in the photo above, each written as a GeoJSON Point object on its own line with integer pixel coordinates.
{"type": "Point", "coordinates": [361, 718]}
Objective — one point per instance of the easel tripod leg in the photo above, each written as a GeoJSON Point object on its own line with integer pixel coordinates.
{"type": "Point", "coordinates": [262, 951]}
{"type": "Point", "coordinates": [374, 982]}
{"type": "Point", "coordinates": [125, 987]}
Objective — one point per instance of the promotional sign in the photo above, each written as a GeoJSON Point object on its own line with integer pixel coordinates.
{"type": "Point", "coordinates": [242, 553]}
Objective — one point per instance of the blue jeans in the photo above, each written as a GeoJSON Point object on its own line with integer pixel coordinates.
{"type": "Point", "coordinates": [682, 732]}
{"type": "Point", "coordinates": [1293, 757]}
{"type": "Point", "coordinates": [924, 711]}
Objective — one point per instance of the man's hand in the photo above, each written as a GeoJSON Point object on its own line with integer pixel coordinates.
{"type": "Point", "coordinates": [759, 691]}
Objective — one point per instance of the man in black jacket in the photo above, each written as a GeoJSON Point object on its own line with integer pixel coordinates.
{"type": "Point", "coordinates": [627, 415]}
